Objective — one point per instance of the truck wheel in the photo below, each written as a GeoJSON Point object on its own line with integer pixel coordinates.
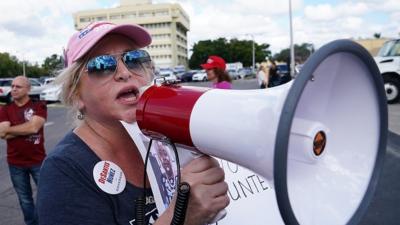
{"type": "Point", "coordinates": [392, 89]}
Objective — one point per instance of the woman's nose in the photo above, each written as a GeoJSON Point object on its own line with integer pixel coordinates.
{"type": "Point", "coordinates": [122, 73]}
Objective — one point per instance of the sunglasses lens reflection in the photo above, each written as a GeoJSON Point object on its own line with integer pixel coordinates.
{"type": "Point", "coordinates": [102, 65]}
{"type": "Point", "coordinates": [137, 61]}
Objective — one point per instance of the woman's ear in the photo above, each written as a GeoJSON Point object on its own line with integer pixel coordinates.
{"type": "Point", "coordinates": [80, 105]}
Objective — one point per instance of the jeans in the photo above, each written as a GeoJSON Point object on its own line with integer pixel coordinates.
{"type": "Point", "coordinates": [20, 177]}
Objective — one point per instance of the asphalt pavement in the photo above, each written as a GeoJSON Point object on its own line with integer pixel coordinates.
{"type": "Point", "coordinates": [384, 209]}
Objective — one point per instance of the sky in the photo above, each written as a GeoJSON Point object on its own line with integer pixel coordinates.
{"type": "Point", "coordinates": [35, 29]}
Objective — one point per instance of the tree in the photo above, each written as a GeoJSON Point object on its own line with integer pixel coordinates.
{"type": "Point", "coordinates": [302, 52]}
{"type": "Point", "coordinates": [9, 65]}
{"type": "Point", "coordinates": [35, 70]}
{"type": "Point", "coordinates": [377, 35]}
{"type": "Point", "coordinates": [233, 50]}
{"type": "Point", "coordinates": [53, 64]}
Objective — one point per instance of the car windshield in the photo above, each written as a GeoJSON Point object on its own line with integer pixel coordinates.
{"type": "Point", "coordinates": [282, 67]}
{"type": "Point", "coordinates": [390, 48]}
{"type": "Point", "coordinates": [5, 82]}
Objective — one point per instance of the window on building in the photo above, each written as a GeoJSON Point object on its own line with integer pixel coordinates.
{"type": "Point", "coordinates": [101, 18]}
{"type": "Point", "coordinates": [146, 14]}
{"type": "Point", "coordinates": [115, 16]}
{"type": "Point", "coordinates": [128, 15]}
{"type": "Point", "coordinates": [161, 13]}
{"type": "Point", "coordinates": [84, 19]}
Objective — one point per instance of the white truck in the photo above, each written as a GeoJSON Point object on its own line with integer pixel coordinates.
{"type": "Point", "coordinates": [388, 61]}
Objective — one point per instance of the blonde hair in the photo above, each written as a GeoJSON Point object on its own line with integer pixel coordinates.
{"type": "Point", "coordinates": [69, 79]}
{"type": "Point", "coordinates": [263, 67]}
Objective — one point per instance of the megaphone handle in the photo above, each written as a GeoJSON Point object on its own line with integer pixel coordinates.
{"type": "Point", "coordinates": [185, 156]}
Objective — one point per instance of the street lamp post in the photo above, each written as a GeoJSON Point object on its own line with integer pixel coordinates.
{"type": "Point", "coordinates": [253, 52]}
{"type": "Point", "coordinates": [23, 68]}
{"type": "Point", "coordinates": [23, 63]}
{"type": "Point", "coordinates": [291, 41]}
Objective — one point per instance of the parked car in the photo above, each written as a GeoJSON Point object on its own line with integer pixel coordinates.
{"type": "Point", "coordinates": [247, 72]}
{"type": "Point", "coordinates": [233, 74]}
{"type": "Point", "coordinates": [179, 71]}
{"type": "Point", "coordinates": [36, 88]}
{"type": "Point", "coordinates": [5, 89]}
{"type": "Point", "coordinates": [179, 75]}
{"type": "Point", "coordinates": [52, 93]}
{"type": "Point", "coordinates": [166, 74]}
{"type": "Point", "coordinates": [187, 77]}
{"type": "Point", "coordinates": [200, 76]}
{"type": "Point", "coordinates": [283, 69]}
{"type": "Point", "coordinates": [48, 80]}
{"type": "Point", "coordinates": [298, 68]}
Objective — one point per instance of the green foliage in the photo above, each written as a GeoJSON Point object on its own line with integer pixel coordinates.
{"type": "Point", "coordinates": [10, 66]}
{"type": "Point", "coordinates": [53, 64]}
{"type": "Point", "coordinates": [302, 52]}
{"type": "Point", "coordinates": [377, 35]}
{"type": "Point", "coordinates": [233, 50]}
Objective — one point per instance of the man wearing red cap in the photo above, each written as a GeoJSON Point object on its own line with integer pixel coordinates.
{"type": "Point", "coordinates": [215, 69]}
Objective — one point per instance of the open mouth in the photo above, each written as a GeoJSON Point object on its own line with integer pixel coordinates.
{"type": "Point", "coordinates": [129, 95]}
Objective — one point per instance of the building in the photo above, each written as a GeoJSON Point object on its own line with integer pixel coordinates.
{"type": "Point", "coordinates": [372, 44]}
{"type": "Point", "coordinates": [167, 23]}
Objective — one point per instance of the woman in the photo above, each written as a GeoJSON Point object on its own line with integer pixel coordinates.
{"type": "Point", "coordinates": [263, 76]}
{"type": "Point", "coordinates": [215, 69]}
{"type": "Point", "coordinates": [274, 78]}
{"type": "Point", "coordinates": [105, 68]}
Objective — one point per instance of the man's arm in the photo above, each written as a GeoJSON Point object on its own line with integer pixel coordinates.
{"type": "Point", "coordinates": [31, 127]}
{"type": "Point", "coordinates": [3, 128]}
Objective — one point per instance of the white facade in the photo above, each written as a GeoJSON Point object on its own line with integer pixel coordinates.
{"type": "Point", "coordinates": [168, 25]}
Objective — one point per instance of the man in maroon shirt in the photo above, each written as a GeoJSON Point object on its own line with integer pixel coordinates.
{"type": "Point", "coordinates": [21, 124]}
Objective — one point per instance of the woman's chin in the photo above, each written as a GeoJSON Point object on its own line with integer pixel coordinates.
{"type": "Point", "coordinates": [129, 117]}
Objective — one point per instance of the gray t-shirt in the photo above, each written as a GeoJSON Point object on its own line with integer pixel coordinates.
{"type": "Point", "coordinates": [68, 193]}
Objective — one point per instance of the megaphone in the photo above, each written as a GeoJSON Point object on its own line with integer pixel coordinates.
{"type": "Point", "coordinates": [319, 139]}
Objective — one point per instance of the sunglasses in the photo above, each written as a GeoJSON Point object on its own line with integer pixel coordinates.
{"type": "Point", "coordinates": [136, 61]}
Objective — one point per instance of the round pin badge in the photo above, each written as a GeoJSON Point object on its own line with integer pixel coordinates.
{"type": "Point", "coordinates": [109, 177]}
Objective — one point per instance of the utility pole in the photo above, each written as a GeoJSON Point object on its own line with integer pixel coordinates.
{"type": "Point", "coordinates": [254, 54]}
{"type": "Point", "coordinates": [291, 41]}
{"type": "Point", "coordinates": [23, 68]}
{"type": "Point", "coordinates": [23, 63]}
{"type": "Point", "coordinates": [253, 51]}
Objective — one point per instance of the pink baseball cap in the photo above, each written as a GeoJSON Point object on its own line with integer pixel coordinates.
{"type": "Point", "coordinates": [214, 61]}
{"type": "Point", "coordinates": [82, 41]}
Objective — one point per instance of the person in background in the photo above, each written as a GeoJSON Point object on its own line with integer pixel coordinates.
{"type": "Point", "coordinates": [263, 76]}
{"type": "Point", "coordinates": [274, 78]}
{"type": "Point", "coordinates": [82, 181]}
{"type": "Point", "coordinates": [21, 124]}
{"type": "Point", "coordinates": [216, 73]}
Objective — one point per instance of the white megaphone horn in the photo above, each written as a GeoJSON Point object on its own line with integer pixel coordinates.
{"type": "Point", "coordinates": [320, 139]}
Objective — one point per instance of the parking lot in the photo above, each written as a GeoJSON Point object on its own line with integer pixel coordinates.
{"type": "Point", "coordinates": [382, 211]}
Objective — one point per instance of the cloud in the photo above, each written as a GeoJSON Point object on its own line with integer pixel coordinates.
{"type": "Point", "coordinates": [24, 29]}
{"type": "Point", "coordinates": [327, 12]}
{"type": "Point", "coordinates": [33, 30]}
{"type": "Point", "coordinates": [40, 28]}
